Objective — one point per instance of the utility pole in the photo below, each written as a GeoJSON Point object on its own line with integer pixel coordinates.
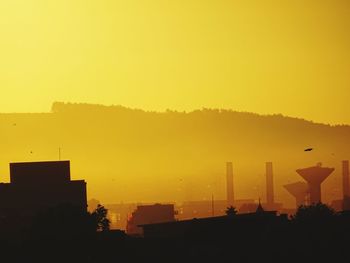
{"type": "Point", "coordinates": [212, 205]}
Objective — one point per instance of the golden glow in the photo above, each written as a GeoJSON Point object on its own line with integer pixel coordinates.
{"type": "Point", "coordinates": [289, 57]}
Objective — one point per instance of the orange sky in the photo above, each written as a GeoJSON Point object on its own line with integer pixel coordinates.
{"type": "Point", "coordinates": [289, 57]}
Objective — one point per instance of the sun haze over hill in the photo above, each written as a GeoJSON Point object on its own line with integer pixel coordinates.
{"type": "Point", "coordinates": [134, 155]}
{"type": "Point", "coordinates": [290, 57]}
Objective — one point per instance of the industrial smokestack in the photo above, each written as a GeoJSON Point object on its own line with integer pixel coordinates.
{"type": "Point", "coordinates": [269, 185]}
{"type": "Point", "coordinates": [346, 186]}
{"type": "Point", "coordinates": [229, 182]}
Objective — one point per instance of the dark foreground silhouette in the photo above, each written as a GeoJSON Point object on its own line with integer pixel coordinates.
{"type": "Point", "coordinates": [65, 234]}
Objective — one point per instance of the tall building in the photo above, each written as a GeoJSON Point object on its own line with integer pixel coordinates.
{"type": "Point", "coordinates": [35, 186]}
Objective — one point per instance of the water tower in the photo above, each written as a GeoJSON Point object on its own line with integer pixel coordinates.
{"type": "Point", "coordinates": [299, 190]}
{"type": "Point", "coordinates": [314, 176]}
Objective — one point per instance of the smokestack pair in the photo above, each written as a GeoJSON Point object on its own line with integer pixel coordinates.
{"type": "Point", "coordinates": [269, 185]}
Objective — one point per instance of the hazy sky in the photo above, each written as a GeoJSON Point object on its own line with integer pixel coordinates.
{"type": "Point", "coordinates": [290, 57]}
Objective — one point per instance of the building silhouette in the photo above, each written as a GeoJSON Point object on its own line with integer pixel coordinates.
{"type": "Point", "coordinates": [35, 186]}
{"type": "Point", "coordinates": [240, 225]}
{"type": "Point", "coordinates": [149, 214]}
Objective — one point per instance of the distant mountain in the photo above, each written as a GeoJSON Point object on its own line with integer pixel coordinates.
{"type": "Point", "coordinates": [133, 155]}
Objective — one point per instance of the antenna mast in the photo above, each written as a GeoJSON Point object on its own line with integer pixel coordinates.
{"type": "Point", "coordinates": [212, 205]}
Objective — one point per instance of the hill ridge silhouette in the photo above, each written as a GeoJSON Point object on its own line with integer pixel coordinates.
{"type": "Point", "coordinates": [133, 155]}
{"type": "Point", "coordinates": [59, 107]}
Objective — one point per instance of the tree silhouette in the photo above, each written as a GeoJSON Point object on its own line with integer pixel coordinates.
{"type": "Point", "coordinates": [100, 216]}
{"type": "Point", "coordinates": [62, 223]}
{"type": "Point", "coordinates": [313, 213]}
{"type": "Point", "coordinates": [231, 211]}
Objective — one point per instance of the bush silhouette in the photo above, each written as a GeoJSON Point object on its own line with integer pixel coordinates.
{"type": "Point", "coordinates": [313, 213]}
{"type": "Point", "coordinates": [231, 211]}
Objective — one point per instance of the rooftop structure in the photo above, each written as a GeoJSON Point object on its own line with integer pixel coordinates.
{"type": "Point", "coordinates": [240, 225]}
{"type": "Point", "coordinates": [149, 214]}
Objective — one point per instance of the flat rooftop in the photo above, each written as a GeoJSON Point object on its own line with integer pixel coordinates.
{"type": "Point", "coordinates": [40, 172]}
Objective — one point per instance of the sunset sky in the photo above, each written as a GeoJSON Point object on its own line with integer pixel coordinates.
{"type": "Point", "coordinates": [290, 57]}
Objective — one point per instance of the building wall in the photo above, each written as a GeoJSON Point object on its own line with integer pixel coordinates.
{"type": "Point", "coordinates": [27, 195]}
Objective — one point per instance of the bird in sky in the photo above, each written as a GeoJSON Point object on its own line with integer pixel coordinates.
{"type": "Point", "coordinates": [308, 149]}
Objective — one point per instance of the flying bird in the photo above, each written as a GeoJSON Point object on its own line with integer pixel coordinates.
{"type": "Point", "coordinates": [308, 149]}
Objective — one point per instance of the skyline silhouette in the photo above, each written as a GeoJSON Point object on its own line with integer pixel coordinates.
{"type": "Point", "coordinates": [174, 131]}
{"type": "Point", "coordinates": [180, 156]}
{"type": "Point", "coordinates": [38, 185]}
{"type": "Point", "coordinates": [72, 234]}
